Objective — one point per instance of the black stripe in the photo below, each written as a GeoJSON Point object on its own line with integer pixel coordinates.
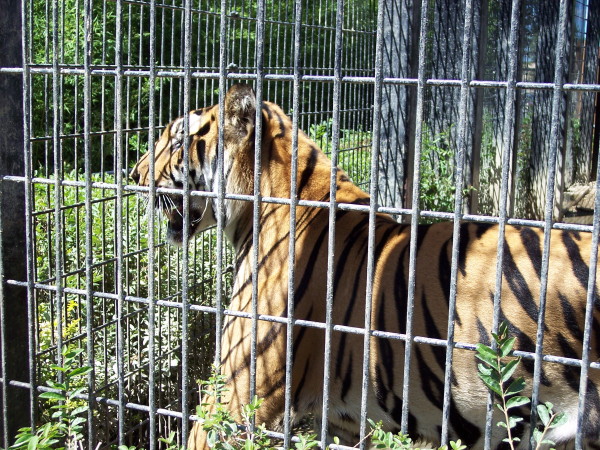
{"type": "Point", "coordinates": [347, 381]}
{"type": "Point", "coordinates": [433, 388]}
{"type": "Point", "coordinates": [580, 267]}
{"type": "Point", "coordinates": [518, 285]}
{"type": "Point", "coordinates": [280, 383]}
{"type": "Point", "coordinates": [422, 231]}
{"type": "Point", "coordinates": [462, 247]}
{"type": "Point", "coordinates": [438, 352]}
{"type": "Point", "coordinates": [484, 338]}
{"type": "Point", "coordinates": [261, 347]}
{"type": "Point", "coordinates": [301, 383]}
{"type": "Point", "coordinates": [567, 350]}
{"type": "Point", "coordinates": [396, 414]}
{"type": "Point", "coordinates": [482, 228]}
{"type": "Point", "coordinates": [304, 284]}
{"type": "Point", "coordinates": [355, 292]}
{"type": "Point", "coordinates": [401, 290]}
{"type": "Point", "coordinates": [571, 318]}
{"type": "Point", "coordinates": [386, 356]}
{"type": "Point", "coordinates": [178, 184]}
{"type": "Point", "coordinates": [445, 275]}
{"type": "Point", "coordinates": [204, 129]}
{"type": "Point", "coordinates": [267, 109]}
{"type": "Point", "coordinates": [531, 242]}
{"type": "Point", "coordinates": [308, 172]}
{"type": "Point", "coordinates": [300, 336]}
{"type": "Point", "coordinates": [201, 151]}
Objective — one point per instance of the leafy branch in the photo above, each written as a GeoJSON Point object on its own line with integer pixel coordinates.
{"type": "Point", "coordinates": [497, 375]}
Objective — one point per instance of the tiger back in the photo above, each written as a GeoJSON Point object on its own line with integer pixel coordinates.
{"type": "Point", "coordinates": [566, 291]}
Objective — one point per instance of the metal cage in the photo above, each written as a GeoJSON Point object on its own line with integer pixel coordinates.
{"type": "Point", "coordinates": [416, 100]}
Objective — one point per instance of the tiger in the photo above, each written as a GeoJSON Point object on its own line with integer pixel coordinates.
{"type": "Point", "coordinates": [475, 286]}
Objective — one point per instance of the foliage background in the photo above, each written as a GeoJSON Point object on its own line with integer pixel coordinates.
{"type": "Point", "coordinates": [56, 37]}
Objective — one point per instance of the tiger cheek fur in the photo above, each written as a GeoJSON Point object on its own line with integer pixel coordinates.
{"type": "Point", "coordinates": [566, 294]}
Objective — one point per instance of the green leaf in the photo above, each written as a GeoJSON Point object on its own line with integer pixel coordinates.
{"type": "Point", "coordinates": [513, 421]}
{"type": "Point", "coordinates": [483, 369]}
{"type": "Point", "coordinates": [508, 370]}
{"type": "Point", "coordinates": [503, 329]}
{"type": "Point", "coordinates": [80, 371]}
{"type": "Point", "coordinates": [33, 443]}
{"type": "Point", "coordinates": [537, 435]}
{"type": "Point", "coordinates": [52, 396]}
{"type": "Point", "coordinates": [76, 392]}
{"type": "Point", "coordinates": [486, 354]}
{"type": "Point", "coordinates": [516, 401]}
{"type": "Point", "coordinates": [491, 383]}
{"type": "Point", "coordinates": [79, 410]}
{"type": "Point", "coordinates": [515, 387]}
{"type": "Point", "coordinates": [558, 420]}
{"type": "Point", "coordinates": [507, 346]}
{"type": "Point", "coordinates": [59, 386]}
{"type": "Point", "coordinates": [77, 421]}
{"type": "Point", "coordinates": [543, 414]}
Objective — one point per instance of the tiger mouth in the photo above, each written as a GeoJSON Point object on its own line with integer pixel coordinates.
{"type": "Point", "coordinates": [172, 210]}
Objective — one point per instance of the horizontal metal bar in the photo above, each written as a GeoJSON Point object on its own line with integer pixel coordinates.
{"type": "Point", "coordinates": [78, 70]}
{"type": "Point", "coordinates": [92, 134]}
{"type": "Point", "coordinates": [316, 204]}
{"type": "Point", "coordinates": [304, 323]}
{"type": "Point", "coordinates": [102, 400]}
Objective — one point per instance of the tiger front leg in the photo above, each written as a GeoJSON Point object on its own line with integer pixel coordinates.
{"type": "Point", "coordinates": [233, 383]}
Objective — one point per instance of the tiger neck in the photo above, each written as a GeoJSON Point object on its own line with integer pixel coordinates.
{"type": "Point", "coordinates": [312, 183]}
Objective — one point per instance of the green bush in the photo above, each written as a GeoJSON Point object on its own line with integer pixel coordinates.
{"type": "Point", "coordinates": [73, 314]}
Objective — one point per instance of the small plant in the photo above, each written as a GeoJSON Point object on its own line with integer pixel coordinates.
{"type": "Point", "coordinates": [400, 441]}
{"type": "Point", "coordinates": [387, 439]}
{"type": "Point", "coordinates": [171, 442]}
{"type": "Point", "coordinates": [222, 430]}
{"type": "Point", "coordinates": [66, 425]}
{"type": "Point", "coordinates": [497, 374]}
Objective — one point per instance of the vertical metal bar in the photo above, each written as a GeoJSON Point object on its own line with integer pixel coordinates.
{"type": "Point", "coordinates": [3, 347]}
{"type": "Point", "coordinates": [187, 81]}
{"type": "Point", "coordinates": [118, 147]}
{"type": "Point", "coordinates": [57, 153]}
{"type": "Point", "coordinates": [330, 294]}
{"type": "Point", "coordinates": [589, 317]}
{"type": "Point", "coordinates": [507, 149]}
{"type": "Point", "coordinates": [221, 180]}
{"type": "Point", "coordinates": [89, 214]}
{"type": "Point", "coordinates": [458, 201]}
{"type": "Point", "coordinates": [260, 36]}
{"type": "Point", "coordinates": [151, 228]}
{"type": "Point", "coordinates": [555, 140]}
{"type": "Point", "coordinates": [374, 189]}
{"type": "Point", "coordinates": [414, 220]}
{"type": "Point", "coordinates": [292, 244]}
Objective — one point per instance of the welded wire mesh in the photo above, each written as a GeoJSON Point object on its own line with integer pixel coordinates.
{"type": "Point", "coordinates": [399, 93]}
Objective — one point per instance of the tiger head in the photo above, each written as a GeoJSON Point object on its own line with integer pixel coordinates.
{"type": "Point", "coordinates": [314, 167]}
{"type": "Point", "coordinates": [240, 110]}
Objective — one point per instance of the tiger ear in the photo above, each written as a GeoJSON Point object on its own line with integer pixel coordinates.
{"type": "Point", "coordinates": [240, 114]}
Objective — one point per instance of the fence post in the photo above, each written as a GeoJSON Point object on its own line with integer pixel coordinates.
{"type": "Point", "coordinates": [542, 115]}
{"type": "Point", "coordinates": [15, 406]}
{"type": "Point", "coordinates": [397, 127]}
